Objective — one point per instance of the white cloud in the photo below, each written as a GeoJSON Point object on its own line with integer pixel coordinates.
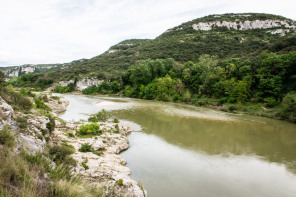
{"type": "Point", "coordinates": [40, 31]}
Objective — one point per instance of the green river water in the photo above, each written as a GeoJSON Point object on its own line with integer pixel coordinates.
{"type": "Point", "coordinates": [182, 150]}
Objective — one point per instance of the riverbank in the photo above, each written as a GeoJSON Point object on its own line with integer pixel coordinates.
{"type": "Point", "coordinates": [44, 152]}
{"type": "Point", "coordinates": [283, 111]}
{"type": "Point", "coordinates": [101, 164]}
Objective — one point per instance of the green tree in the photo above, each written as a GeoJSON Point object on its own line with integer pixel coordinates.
{"type": "Point", "coordinates": [114, 86]}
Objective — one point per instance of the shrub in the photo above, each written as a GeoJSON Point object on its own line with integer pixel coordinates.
{"type": "Point", "coordinates": [71, 135]}
{"type": "Point", "coordinates": [270, 102]}
{"type": "Point", "coordinates": [40, 104]}
{"type": "Point", "coordinates": [43, 97]}
{"type": "Point", "coordinates": [7, 136]}
{"type": "Point", "coordinates": [90, 129]}
{"type": "Point", "coordinates": [120, 182]}
{"type": "Point", "coordinates": [15, 99]}
{"type": "Point", "coordinates": [289, 107]}
{"type": "Point", "coordinates": [116, 129]}
{"type": "Point", "coordinates": [114, 86]}
{"type": "Point", "coordinates": [101, 116]}
{"type": "Point", "coordinates": [25, 92]}
{"type": "Point", "coordinates": [22, 122]}
{"type": "Point", "coordinates": [83, 164]}
{"type": "Point", "coordinates": [63, 89]}
{"type": "Point", "coordinates": [86, 147]}
{"type": "Point", "coordinates": [61, 154]}
{"type": "Point", "coordinates": [51, 124]}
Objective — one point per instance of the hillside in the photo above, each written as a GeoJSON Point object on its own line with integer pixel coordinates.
{"type": "Point", "coordinates": [16, 71]}
{"type": "Point", "coordinates": [226, 36]}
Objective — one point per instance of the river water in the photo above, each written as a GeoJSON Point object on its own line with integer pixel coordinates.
{"type": "Point", "coordinates": [181, 150]}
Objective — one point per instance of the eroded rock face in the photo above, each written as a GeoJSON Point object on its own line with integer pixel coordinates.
{"type": "Point", "coordinates": [29, 138]}
{"type": "Point", "coordinates": [246, 25]}
{"type": "Point", "coordinates": [58, 106]}
{"type": "Point", "coordinates": [85, 83]}
{"type": "Point", "coordinates": [6, 114]}
{"type": "Point", "coordinates": [109, 167]}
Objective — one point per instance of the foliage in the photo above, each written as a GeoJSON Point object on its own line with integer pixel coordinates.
{"type": "Point", "coordinates": [120, 182]}
{"type": "Point", "coordinates": [25, 92]}
{"type": "Point", "coordinates": [63, 89]}
{"type": "Point", "coordinates": [40, 104]}
{"type": "Point", "coordinates": [289, 106]}
{"type": "Point", "coordinates": [114, 86]}
{"type": "Point", "coordinates": [86, 147]}
{"type": "Point", "coordinates": [2, 78]}
{"type": "Point", "coordinates": [7, 136]}
{"type": "Point", "coordinates": [71, 135]}
{"type": "Point", "coordinates": [101, 116]}
{"type": "Point", "coordinates": [15, 99]}
{"type": "Point", "coordinates": [51, 124]}
{"type": "Point", "coordinates": [61, 154]}
{"type": "Point", "coordinates": [90, 129]}
{"type": "Point", "coordinates": [22, 122]}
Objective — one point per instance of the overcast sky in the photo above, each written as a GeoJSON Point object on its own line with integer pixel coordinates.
{"type": "Point", "coordinates": [58, 31]}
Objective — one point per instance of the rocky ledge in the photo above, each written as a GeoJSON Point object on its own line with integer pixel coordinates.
{"type": "Point", "coordinates": [107, 168]}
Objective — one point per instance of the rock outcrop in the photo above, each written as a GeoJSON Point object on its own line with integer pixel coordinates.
{"type": "Point", "coordinates": [248, 25]}
{"type": "Point", "coordinates": [85, 83]}
{"type": "Point", "coordinates": [109, 167]}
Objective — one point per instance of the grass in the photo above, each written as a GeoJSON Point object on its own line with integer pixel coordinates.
{"type": "Point", "coordinates": [7, 136]}
{"type": "Point", "coordinates": [85, 148]}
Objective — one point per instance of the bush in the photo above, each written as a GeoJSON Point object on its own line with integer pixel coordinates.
{"type": "Point", "coordinates": [40, 104]}
{"type": "Point", "coordinates": [90, 129]}
{"type": "Point", "coordinates": [85, 148]}
{"type": "Point", "coordinates": [61, 154]}
{"type": "Point", "coordinates": [7, 136]}
{"type": "Point", "coordinates": [51, 124]}
{"type": "Point", "coordinates": [71, 135]}
{"type": "Point", "coordinates": [270, 102]}
{"type": "Point", "coordinates": [114, 86]}
{"type": "Point", "coordinates": [22, 122]}
{"type": "Point", "coordinates": [15, 99]}
{"type": "Point", "coordinates": [101, 116]}
{"type": "Point", "coordinates": [120, 182]}
{"type": "Point", "coordinates": [25, 92]}
{"type": "Point", "coordinates": [63, 89]}
{"type": "Point", "coordinates": [289, 107]}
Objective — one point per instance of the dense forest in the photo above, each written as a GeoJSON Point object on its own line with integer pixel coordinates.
{"type": "Point", "coordinates": [270, 79]}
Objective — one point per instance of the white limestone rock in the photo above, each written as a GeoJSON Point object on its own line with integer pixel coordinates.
{"type": "Point", "coordinates": [244, 25]}
{"type": "Point", "coordinates": [85, 83]}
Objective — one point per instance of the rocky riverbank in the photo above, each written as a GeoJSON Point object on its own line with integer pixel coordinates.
{"type": "Point", "coordinates": [39, 128]}
{"type": "Point", "coordinates": [107, 168]}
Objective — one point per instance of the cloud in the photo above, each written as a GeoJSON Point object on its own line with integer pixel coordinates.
{"type": "Point", "coordinates": [57, 31]}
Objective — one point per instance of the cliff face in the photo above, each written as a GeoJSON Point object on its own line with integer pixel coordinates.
{"type": "Point", "coordinates": [278, 26]}
{"type": "Point", "coordinates": [15, 71]}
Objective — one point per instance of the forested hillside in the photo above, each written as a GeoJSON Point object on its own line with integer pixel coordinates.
{"type": "Point", "coordinates": [230, 58]}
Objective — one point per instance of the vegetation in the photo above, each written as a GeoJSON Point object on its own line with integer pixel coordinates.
{"type": "Point", "coordinates": [120, 182]}
{"type": "Point", "coordinates": [85, 148]}
{"type": "Point", "coordinates": [266, 79]}
{"type": "Point", "coordinates": [40, 104]}
{"type": "Point", "coordinates": [101, 116]}
{"type": "Point", "coordinates": [7, 136]}
{"type": "Point", "coordinates": [182, 43]}
{"type": "Point", "coordinates": [65, 89]}
{"type": "Point", "coordinates": [103, 88]}
{"type": "Point", "coordinates": [89, 129]}
{"type": "Point", "coordinates": [217, 67]}
{"type": "Point", "coordinates": [16, 100]}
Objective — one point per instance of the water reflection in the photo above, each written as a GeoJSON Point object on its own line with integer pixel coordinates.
{"type": "Point", "coordinates": [190, 151]}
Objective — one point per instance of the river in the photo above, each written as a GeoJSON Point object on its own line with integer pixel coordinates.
{"type": "Point", "coordinates": [182, 150]}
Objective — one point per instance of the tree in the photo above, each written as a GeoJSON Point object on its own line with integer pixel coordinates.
{"type": "Point", "coordinates": [114, 86]}
{"type": "Point", "coordinates": [2, 77]}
